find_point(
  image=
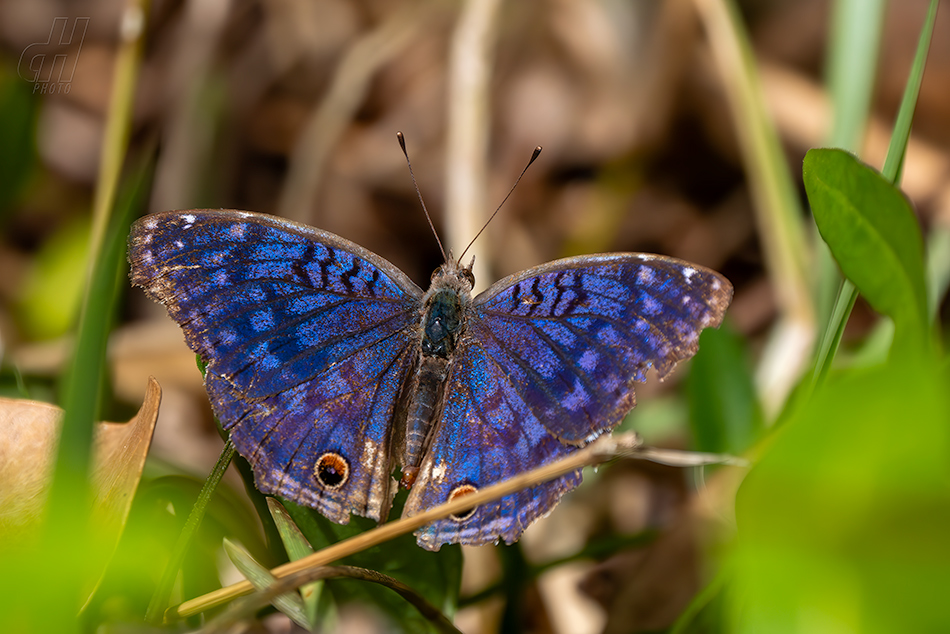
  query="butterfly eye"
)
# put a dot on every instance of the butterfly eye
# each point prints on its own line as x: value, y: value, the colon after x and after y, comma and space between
x: 436, y: 273
x: 469, y: 276
x: 460, y: 491
x: 332, y: 470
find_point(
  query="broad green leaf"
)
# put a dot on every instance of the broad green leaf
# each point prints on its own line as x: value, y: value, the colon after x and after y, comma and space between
x: 843, y: 523
x: 724, y: 412
x: 873, y: 234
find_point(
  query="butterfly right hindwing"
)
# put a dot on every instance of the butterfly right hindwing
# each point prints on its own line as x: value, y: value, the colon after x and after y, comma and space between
x: 548, y: 362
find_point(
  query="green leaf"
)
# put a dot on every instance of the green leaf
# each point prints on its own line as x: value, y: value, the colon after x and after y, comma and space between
x: 873, y: 234
x: 724, y: 412
x: 842, y: 524
x: 260, y: 577
x: 297, y: 547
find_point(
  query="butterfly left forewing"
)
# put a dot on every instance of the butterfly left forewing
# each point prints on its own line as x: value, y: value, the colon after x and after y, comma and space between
x: 308, y: 340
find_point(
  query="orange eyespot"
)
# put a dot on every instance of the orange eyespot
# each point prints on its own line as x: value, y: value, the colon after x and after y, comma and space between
x: 461, y: 491
x: 331, y: 470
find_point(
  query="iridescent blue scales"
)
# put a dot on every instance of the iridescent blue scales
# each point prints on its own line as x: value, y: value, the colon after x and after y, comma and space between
x: 330, y: 368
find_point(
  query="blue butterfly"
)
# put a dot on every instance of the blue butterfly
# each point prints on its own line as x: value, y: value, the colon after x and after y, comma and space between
x: 330, y: 368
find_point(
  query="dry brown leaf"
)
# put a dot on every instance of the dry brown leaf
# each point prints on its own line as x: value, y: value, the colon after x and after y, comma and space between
x: 29, y: 436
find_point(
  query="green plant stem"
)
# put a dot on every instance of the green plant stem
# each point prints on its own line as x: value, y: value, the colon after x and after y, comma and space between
x: 159, y: 601
x: 844, y: 302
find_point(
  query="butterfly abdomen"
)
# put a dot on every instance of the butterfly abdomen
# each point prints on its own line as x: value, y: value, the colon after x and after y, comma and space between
x: 427, y: 393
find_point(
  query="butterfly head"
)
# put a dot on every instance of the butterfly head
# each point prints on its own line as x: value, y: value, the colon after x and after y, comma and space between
x: 455, y: 274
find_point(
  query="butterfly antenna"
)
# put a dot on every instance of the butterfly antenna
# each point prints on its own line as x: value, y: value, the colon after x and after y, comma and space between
x: 402, y: 144
x: 534, y: 155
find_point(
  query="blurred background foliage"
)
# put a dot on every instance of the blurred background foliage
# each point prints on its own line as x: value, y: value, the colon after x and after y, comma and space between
x: 670, y: 126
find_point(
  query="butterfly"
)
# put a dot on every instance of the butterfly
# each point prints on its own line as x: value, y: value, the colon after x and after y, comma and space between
x: 330, y: 368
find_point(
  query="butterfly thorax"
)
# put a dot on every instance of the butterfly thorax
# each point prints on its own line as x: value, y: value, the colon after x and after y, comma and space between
x: 442, y: 325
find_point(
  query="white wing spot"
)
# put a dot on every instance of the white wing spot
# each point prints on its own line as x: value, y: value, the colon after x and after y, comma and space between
x: 645, y: 275
x: 688, y: 273
x: 650, y: 305
x: 179, y: 244
x: 370, y: 449
x: 189, y: 220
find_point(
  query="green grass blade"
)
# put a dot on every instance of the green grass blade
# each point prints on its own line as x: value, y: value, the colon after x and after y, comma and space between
x: 19, y: 109
x: 66, y: 535
x: 852, y: 62
x: 897, y: 149
x: 834, y: 330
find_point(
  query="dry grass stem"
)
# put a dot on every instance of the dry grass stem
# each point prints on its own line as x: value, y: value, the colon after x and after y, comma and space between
x: 466, y: 177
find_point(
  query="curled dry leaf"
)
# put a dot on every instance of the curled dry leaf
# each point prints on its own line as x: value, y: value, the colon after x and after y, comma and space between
x: 29, y: 436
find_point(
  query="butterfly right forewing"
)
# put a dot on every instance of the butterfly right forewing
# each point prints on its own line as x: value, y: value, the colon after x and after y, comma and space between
x: 308, y: 340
